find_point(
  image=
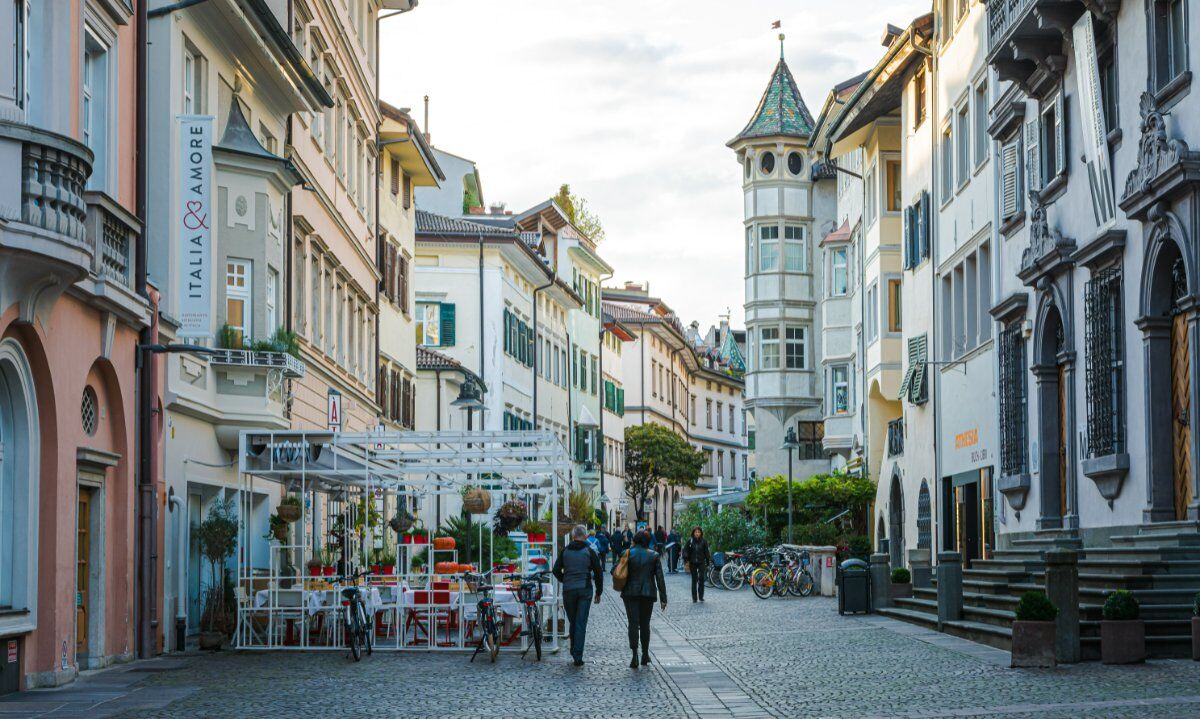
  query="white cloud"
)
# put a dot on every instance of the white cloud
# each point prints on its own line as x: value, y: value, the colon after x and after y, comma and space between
x: 632, y: 102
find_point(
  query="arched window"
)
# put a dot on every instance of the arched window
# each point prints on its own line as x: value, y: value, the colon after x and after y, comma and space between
x: 924, y: 518
x: 767, y: 163
x: 18, y: 484
x: 795, y: 163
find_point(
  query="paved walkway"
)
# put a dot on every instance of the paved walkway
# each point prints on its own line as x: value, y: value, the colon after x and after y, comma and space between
x: 733, y: 656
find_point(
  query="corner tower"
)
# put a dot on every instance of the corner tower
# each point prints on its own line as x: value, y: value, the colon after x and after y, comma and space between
x: 787, y: 203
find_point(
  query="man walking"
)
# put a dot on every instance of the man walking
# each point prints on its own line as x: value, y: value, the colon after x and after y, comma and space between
x: 617, y: 546
x: 673, y: 550
x: 602, y: 545
x: 579, y: 572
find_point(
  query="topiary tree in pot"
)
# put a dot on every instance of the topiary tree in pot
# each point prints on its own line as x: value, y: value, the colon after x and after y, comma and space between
x: 1034, y: 632
x: 1122, y: 632
x: 901, y: 584
x: 216, y: 540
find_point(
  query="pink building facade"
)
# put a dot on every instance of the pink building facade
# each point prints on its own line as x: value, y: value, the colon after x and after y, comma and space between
x: 70, y: 315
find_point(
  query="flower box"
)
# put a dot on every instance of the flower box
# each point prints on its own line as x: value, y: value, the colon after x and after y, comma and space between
x: 328, y: 571
x: 897, y: 590
x: 1033, y: 644
x: 535, y: 538
x: 1122, y: 641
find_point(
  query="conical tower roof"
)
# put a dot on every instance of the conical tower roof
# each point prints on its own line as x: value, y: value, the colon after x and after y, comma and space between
x: 781, y: 111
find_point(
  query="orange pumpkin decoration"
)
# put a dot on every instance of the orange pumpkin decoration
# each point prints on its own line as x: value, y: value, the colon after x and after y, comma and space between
x: 445, y: 568
x: 443, y: 543
x: 464, y: 568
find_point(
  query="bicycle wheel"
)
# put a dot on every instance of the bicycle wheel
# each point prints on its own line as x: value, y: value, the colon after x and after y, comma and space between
x: 732, y: 578
x: 353, y: 638
x: 493, y: 639
x: 368, y: 629
x: 712, y: 577
x: 535, y: 631
x: 762, y: 584
x: 806, y: 583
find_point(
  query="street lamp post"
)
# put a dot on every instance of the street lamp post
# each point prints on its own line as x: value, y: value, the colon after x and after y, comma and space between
x: 790, y: 444
x: 470, y: 397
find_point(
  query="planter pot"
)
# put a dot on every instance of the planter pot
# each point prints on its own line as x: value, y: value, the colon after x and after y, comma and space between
x: 535, y: 537
x: 1122, y: 642
x: 420, y: 538
x: 406, y: 539
x: 900, y: 591
x: 289, y: 513
x: 375, y: 569
x: 1196, y: 638
x: 314, y: 571
x: 211, y: 641
x: 1033, y: 644
x: 328, y: 571
x: 400, y: 524
x: 477, y: 501
x: 389, y: 570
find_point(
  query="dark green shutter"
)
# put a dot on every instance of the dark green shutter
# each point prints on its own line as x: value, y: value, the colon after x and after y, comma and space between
x: 621, y: 401
x: 447, y: 324
x: 579, y: 451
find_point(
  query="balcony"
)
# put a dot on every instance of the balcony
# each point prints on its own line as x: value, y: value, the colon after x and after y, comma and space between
x: 112, y: 235
x: 234, y: 390
x: 895, y: 437
x: 1025, y: 37
x: 43, y: 241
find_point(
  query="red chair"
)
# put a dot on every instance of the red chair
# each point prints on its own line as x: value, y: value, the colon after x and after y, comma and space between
x: 430, y: 607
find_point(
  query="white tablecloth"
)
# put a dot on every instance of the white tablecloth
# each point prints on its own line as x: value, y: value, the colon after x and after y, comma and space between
x: 315, y: 600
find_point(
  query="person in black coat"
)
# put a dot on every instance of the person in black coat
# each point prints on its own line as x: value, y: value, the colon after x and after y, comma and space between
x: 617, y: 545
x: 643, y: 586
x: 581, y: 574
x: 697, y: 557
x: 673, y: 550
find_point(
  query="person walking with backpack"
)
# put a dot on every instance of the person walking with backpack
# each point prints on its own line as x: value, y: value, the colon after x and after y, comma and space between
x: 697, y: 557
x: 617, y: 546
x: 641, y: 584
x: 579, y: 572
x: 603, y: 543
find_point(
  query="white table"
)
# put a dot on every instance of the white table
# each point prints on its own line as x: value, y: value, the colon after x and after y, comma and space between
x: 315, y: 600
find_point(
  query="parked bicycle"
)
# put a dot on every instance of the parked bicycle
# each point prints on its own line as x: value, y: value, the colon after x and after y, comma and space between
x: 530, y: 595
x: 356, y: 621
x: 785, y: 573
x: 485, y: 618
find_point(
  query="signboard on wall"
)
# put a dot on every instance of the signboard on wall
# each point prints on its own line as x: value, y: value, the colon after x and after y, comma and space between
x: 334, y: 414
x: 194, y: 218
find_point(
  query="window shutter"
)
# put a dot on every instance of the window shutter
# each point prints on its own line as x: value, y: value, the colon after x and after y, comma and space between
x: 447, y: 324
x: 381, y: 389
x: 1010, y: 196
x: 407, y: 191
x: 1033, y: 171
x: 919, y: 389
x: 906, y: 384
x: 1060, y: 129
x: 923, y: 227
x: 403, y: 284
x: 530, y: 347
x: 395, y: 176
x: 579, y: 450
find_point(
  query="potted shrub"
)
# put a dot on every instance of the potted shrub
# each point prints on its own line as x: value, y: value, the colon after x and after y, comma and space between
x: 277, y: 530
x: 387, y: 561
x: 1033, y: 632
x: 216, y: 539
x: 510, y: 516
x: 402, y: 522
x: 289, y: 509
x: 901, y: 586
x: 314, y: 564
x: 1196, y: 627
x: 534, y: 530
x: 419, y: 535
x: 374, y: 566
x: 328, y: 561
x: 1122, y: 632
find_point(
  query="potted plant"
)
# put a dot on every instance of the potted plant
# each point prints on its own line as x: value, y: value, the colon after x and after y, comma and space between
x: 314, y: 564
x: 402, y: 521
x: 387, y: 561
x: 476, y: 500
x: 1196, y: 627
x: 418, y: 564
x: 901, y: 586
x: 216, y: 539
x: 419, y: 535
x: 534, y: 530
x: 328, y: 561
x: 509, y: 516
x: 289, y: 509
x: 1034, y: 631
x: 278, y: 529
x: 375, y: 566
x: 1122, y: 632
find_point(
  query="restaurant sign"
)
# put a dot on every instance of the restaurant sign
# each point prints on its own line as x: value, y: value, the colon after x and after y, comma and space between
x: 194, y: 215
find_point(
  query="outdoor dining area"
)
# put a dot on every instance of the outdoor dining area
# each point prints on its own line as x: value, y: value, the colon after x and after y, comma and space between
x: 348, y: 516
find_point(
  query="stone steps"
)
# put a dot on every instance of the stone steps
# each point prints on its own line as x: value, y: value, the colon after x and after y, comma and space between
x: 990, y: 634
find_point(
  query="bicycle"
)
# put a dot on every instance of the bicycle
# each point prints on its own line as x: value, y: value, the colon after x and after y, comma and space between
x: 801, y: 582
x: 738, y: 566
x: 530, y: 594
x: 356, y: 624
x: 485, y: 618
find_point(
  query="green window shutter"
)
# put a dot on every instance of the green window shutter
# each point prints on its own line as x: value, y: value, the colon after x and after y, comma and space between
x: 907, y: 386
x: 447, y: 324
x: 530, y: 347
x: 579, y: 448
x: 920, y: 391
x: 750, y: 439
x: 507, y: 324
x: 621, y: 401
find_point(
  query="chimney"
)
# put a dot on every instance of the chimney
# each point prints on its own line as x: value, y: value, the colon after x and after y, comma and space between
x: 427, y: 119
x: 497, y: 208
x: 476, y: 211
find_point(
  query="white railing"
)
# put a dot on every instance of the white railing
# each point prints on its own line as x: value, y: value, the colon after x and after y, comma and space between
x: 290, y: 366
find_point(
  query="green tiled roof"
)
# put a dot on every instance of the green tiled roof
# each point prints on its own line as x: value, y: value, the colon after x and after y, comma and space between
x: 781, y: 111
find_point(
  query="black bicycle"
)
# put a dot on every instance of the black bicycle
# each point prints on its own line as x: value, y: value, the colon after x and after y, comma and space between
x: 485, y: 618
x: 530, y: 594
x: 356, y: 623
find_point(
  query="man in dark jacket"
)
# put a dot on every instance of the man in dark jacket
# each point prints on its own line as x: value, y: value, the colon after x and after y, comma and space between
x: 603, y: 542
x: 643, y: 586
x: 579, y: 572
x: 673, y: 550
x: 617, y: 546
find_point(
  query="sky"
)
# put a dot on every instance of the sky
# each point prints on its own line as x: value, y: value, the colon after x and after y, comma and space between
x: 631, y: 102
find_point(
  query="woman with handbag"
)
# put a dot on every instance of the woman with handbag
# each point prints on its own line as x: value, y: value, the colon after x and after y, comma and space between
x: 639, y: 577
x: 696, y: 558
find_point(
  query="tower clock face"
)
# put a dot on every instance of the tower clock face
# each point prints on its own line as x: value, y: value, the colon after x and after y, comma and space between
x: 767, y: 163
x: 795, y: 163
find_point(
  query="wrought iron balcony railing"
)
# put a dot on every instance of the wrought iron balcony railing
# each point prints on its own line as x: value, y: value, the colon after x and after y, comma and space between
x: 895, y: 437
x: 1002, y: 15
x: 289, y: 365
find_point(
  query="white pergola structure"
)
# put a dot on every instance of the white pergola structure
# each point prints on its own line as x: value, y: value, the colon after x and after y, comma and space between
x: 343, y: 479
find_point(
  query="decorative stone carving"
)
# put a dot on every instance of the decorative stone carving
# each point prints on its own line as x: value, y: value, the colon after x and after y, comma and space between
x: 1156, y: 152
x: 1042, y: 239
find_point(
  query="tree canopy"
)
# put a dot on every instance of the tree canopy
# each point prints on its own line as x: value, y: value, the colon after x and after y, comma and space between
x: 576, y: 209
x: 655, y: 455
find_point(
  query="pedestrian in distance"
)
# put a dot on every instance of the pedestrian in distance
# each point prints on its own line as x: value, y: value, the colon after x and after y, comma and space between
x: 617, y: 546
x: 644, y: 585
x: 660, y: 539
x: 696, y: 558
x: 673, y: 549
x: 603, y: 543
x: 581, y: 576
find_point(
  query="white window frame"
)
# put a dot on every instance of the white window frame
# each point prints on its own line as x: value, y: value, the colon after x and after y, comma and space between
x: 98, y: 80
x: 769, y: 348
x: 768, y: 248
x: 797, y: 245
x: 834, y: 265
x: 429, y: 315
x: 962, y: 143
x: 239, y: 269
x: 272, y: 299
x: 872, y: 306
x: 871, y: 194
x: 842, y: 382
x: 980, y: 103
x: 796, y: 338
x: 195, y: 80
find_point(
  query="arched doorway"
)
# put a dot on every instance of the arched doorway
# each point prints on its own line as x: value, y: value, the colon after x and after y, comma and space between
x: 1053, y: 391
x: 1168, y: 325
x: 19, y: 448
x: 924, y: 518
x: 896, y: 522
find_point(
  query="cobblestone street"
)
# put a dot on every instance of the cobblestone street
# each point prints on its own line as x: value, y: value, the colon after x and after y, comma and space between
x: 733, y: 656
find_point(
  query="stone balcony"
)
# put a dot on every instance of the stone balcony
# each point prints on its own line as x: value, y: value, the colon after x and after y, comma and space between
x: 1026, y: 37
x: 234, y: 390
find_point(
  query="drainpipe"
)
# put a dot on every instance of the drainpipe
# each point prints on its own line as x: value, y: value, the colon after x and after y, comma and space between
x: 600, y: 369
x: 437, y: 383
x: 482, y: 369
x: 537, y: 351
x: 176, y: 505
x: 933, y: 286
x: 146, y: 609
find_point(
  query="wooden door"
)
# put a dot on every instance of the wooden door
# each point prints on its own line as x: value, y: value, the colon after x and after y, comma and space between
x: 83, y: 553
x: 1062, y: 441
x: 1181, y: 392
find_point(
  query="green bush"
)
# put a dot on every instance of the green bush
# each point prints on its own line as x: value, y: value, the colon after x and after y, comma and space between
x: 900, y: 575
x: 1036, y: 607
x: 725, y: 530
x: 814, y: 499
x: 857, y: 545
x: 1120, y: 605
x: 494, y: 545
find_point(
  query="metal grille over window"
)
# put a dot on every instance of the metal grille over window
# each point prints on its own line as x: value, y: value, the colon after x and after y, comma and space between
x: 1105, y: 364
x: 88, y: 411
x: 1013, y: 429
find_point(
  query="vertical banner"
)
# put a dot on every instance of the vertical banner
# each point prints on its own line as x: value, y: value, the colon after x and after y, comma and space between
x: 194, y: 215
x: 1091, y: 114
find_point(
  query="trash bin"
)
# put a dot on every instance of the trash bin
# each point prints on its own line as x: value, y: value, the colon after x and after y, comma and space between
x: 854, y: 587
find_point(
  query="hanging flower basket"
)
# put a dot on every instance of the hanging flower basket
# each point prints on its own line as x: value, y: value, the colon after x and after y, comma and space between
x: 477, y: 501
x: 402, y: 522
x: 510, y: 516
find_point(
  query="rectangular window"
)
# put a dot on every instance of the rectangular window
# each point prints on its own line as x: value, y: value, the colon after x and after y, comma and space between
x: 1105, y: 364
x: 919, y: 97
x: 947, y: 164
x: 328, y: 289
x: 749, y: 250
x: 964, y: 144
x: 238, y: 302
x: 94, y: 110
x: 193, y: 81
x: 839, y: 272
x: 708, y: 411
x: 811, y: 436
x: 796, y: 347
x: 894, y: 315
x: 871, y: 190
x: 769, y: 350
x: 980, y: 102
x: 795, y: 251
x: 872, y: 312
x: 272, y: 298
x: 1109, y: 88
x: 1048, y: 140
x: 768, y: 248
x: 1169, y: 41
x: 314, y: 283
x: 429, y: 324
x: 1010, y: 180
x: 1013, y: 429
x: 840, y: 387
x: 731, y: 428
x: 892, y: 185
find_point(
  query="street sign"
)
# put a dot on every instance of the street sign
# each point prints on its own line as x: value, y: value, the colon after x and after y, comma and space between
x: 604, y: 499
x: 334, y: 414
